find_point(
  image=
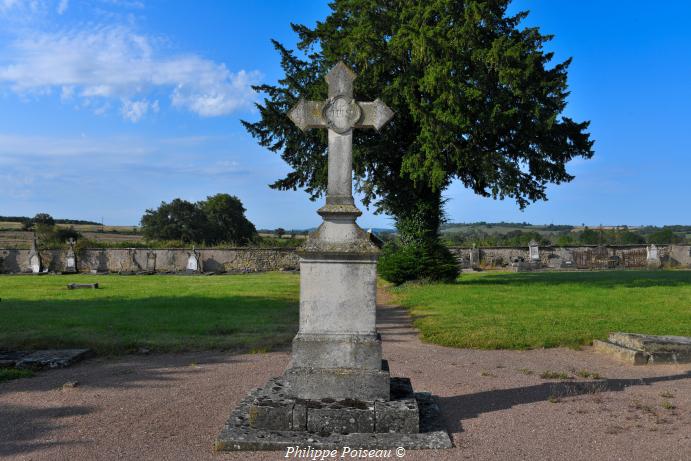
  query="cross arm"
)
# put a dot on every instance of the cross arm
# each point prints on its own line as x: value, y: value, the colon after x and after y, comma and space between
x: 307, y: 114
x: 375, y: 114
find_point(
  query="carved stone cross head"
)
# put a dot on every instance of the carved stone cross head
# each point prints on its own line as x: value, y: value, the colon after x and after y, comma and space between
x: 340, y: 114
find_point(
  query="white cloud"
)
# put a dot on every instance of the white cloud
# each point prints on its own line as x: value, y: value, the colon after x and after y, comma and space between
x: 117, y: 63
x: 62, y: 6
x: 134, y: 110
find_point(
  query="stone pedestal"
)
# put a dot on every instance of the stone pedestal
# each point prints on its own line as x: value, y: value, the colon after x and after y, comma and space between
x: 337, y: 390
x: 337, y: 351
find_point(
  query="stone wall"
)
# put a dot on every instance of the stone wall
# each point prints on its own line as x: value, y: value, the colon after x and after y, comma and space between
x: 276, y: 259
x: 163, y: 261
x: 576, y: 257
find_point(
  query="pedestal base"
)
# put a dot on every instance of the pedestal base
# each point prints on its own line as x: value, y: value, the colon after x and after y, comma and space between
x: 267, y: 419
x: 338, y: 383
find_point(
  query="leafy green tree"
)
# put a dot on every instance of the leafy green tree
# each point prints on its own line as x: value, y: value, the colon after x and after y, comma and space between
x: 62, y: 235
x: 626, y: 237
x: 177, y: 220
x: 27, y: 223
x: 43, y: 225
x: 664, y: 235
x: 43, y: 219
x: 226, y: 220
x: 565, y: 239
x: 589, y: 237
x: 476, y: 98
x: 219, y: 218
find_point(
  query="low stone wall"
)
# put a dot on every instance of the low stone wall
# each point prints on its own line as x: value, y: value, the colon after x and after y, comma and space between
x: 575, y: 257
x: 168, y: 260
x: 279, y: 259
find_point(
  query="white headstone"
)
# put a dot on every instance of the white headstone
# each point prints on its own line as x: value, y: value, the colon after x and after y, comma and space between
x: 534, y: 251
x: 193, y: 261
x: 35, y: 264
x: 652, y: 253
x: 71, y: 265
x: 34, y: 258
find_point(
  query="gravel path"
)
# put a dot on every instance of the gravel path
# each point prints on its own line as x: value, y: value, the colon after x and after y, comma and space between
x: 496, y: 406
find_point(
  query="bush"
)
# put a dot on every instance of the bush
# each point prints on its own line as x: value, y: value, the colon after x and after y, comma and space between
x: 429, y: 261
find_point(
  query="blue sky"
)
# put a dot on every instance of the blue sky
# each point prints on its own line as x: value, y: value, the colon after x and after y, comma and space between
x: 108, y: 107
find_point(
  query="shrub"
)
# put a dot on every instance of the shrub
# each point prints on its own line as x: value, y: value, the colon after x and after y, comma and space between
x: 424, y: 261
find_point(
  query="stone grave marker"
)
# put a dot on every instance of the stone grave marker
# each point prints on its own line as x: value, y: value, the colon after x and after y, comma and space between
x: 652, y: 257
x: 34, y: 257
x: 151, y: 261
x: 337, y: 390
x: 533, y: 251
x: 474, y: 257
x: 71, y: 260
x: 193, y: 265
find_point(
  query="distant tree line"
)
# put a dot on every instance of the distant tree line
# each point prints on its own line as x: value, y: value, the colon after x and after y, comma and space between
x: 588, y: 236
x: 25, y: 219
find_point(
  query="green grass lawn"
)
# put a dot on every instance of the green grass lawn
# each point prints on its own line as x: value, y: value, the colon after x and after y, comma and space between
x: 8, y: 374
x: 548, y: 309
x: 162, y: 313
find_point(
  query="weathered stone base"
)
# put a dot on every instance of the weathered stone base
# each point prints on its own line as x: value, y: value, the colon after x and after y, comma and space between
x: 339, y: 383
x: 638, y: 349
x: 267, y: 419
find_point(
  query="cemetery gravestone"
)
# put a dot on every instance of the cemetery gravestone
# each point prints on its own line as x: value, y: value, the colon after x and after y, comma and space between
x: 533, y: 251
x: 652, y: 256
x: 337, y: 390
x: 193, y: 261
x: 474, y: 257
x: 151, y: 261
x: 71, y: 262
x: 34, y: 257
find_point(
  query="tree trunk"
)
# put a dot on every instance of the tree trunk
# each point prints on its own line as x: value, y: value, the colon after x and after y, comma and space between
x: 418, y: 214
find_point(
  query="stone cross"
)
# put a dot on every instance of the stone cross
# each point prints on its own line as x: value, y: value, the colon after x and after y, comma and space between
x: 337, y: 351
x: 337, y: 382
x: 340, y: 113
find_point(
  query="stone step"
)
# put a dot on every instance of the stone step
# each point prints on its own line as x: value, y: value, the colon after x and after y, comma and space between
x: 638, y: 349
x: 652, y: 343
x: 59, y: 358
x: 621, y: 353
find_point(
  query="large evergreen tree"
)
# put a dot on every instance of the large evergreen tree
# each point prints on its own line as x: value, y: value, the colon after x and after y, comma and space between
x: 476, y: 98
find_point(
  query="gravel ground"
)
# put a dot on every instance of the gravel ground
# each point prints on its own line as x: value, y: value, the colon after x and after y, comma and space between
x: 495, y: 404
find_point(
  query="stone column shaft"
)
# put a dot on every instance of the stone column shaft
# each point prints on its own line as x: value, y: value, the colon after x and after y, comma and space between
x: 340, y: 186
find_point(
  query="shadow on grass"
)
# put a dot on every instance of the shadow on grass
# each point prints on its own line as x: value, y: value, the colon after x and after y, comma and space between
x: 111, y: 326
x: 602, y: 279
x: 456, y: 409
